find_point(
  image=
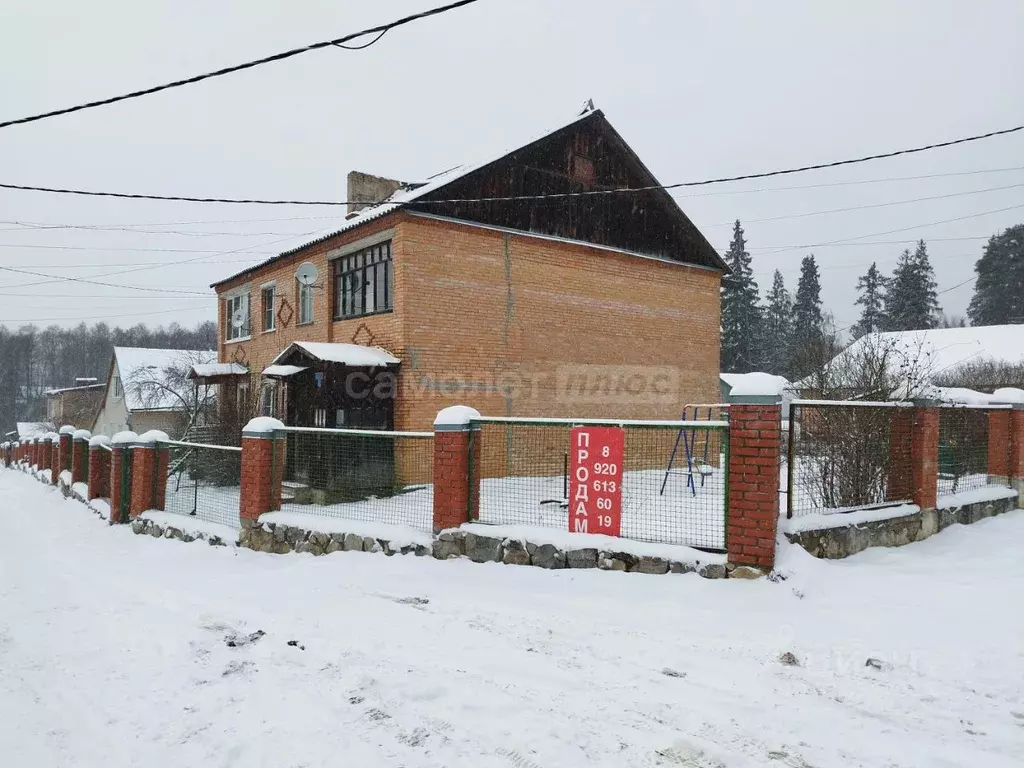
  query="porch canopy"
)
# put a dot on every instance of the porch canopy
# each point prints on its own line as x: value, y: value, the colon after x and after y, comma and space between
x: 351, y: 355
x: 215, y: 373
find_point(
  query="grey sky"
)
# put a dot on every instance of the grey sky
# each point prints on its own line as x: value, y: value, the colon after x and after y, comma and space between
x: 698, y: 88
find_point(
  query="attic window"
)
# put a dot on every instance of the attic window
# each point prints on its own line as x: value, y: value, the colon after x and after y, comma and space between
x: 583, y: 172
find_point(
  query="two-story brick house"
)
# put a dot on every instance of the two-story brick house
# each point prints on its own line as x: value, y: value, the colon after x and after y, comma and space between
x: 546, y: 304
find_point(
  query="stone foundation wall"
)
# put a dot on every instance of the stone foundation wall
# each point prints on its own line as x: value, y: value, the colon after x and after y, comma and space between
x: 843, y: 541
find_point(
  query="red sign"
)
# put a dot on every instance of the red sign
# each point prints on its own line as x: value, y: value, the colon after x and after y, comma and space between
x: 595, y: 480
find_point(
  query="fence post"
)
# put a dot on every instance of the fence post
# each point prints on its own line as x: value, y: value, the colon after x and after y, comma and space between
x: 924, y: 454
x: 999, y: 446
x: 99, y: 467
x: 80, y: 456
x: 120, y: 480
x: 456, y: 476
x: 752, y: 506
x: 46, y: 454
x: 63, y: 452
x: 262, y: 442
x: 145, y: 494
x: 1015, y: 468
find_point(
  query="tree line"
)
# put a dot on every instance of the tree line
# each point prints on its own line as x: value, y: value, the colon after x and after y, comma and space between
x: 34, y: 360
x: 791, y: 335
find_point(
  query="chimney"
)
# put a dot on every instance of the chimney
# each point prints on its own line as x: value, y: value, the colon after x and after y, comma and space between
x: 365, y: 188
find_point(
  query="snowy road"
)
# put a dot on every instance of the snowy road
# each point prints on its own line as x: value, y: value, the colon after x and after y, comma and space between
x: 113, y: 653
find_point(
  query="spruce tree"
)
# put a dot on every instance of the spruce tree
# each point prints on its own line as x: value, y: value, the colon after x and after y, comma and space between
x: 999, y: 291
x: 777, y: 327
x: 872, y: 298
x: 808, y: 321
x: 911, y: 302
x: 740, y: 312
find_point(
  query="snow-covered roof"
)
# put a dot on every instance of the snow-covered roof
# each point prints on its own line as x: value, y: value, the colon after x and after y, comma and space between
x: 940, y: 350
x: 210, y: 370
x: 755, y: 383
x: 349, y: 354
x: 136, y: 364
x: 283, y: 370
x: 29, y: 430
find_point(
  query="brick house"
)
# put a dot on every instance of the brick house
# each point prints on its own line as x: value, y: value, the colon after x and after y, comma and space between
x: 587, y: 306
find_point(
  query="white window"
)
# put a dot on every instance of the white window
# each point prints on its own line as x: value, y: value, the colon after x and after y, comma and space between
x: 243, y: 399
x: 268, y: 296
x: 118, y: 391
x: 268, y: 400
x: 237, y: 305
x: 305, y: 304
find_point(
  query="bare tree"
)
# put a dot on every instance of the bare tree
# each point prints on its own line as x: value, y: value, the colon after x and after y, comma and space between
x: 169, y: 387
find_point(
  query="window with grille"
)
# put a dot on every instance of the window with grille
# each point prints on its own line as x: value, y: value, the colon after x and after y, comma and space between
x: 364, y: 282
x: 268, y: 295
x: 233, y: 304
x: 305, y: 304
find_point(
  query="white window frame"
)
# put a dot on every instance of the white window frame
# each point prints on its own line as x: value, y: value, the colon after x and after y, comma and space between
x: 305, y: 298
x: 118, y: 388
x: 272, y: 289
x: 268, y: 399
x: 232, y: 303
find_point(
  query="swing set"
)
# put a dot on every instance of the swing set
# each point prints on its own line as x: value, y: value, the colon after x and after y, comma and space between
x: 688, y: 436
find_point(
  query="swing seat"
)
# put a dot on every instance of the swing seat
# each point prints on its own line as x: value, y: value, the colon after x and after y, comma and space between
x: 703, y: 469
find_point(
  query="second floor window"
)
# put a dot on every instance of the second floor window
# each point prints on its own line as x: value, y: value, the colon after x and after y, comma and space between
x: 118, y: 391
x: 305, y: 304
x: 268, y: 295
x: 237, y: 307
x: 364, y: 282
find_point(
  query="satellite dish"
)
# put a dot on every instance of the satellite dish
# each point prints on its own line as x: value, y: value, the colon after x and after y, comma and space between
x: 307, y: 273
x: 238, y: 318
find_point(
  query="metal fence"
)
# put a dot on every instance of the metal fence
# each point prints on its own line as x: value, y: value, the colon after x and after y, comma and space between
x: 204, y: 481
x: 356, y: 474
x: 673, y: 481
x: 847, y: 455
x: 963, y: 448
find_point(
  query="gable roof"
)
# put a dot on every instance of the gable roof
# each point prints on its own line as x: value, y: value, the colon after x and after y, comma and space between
x: 135, y: 364
x: 939, y: 350
x: 422, y: 192
x: 340, y: 352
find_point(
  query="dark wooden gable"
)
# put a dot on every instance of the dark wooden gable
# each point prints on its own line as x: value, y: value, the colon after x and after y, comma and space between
x: 587, y: 155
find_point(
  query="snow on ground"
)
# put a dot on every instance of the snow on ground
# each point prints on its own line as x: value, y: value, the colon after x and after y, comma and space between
x: 113, y: 652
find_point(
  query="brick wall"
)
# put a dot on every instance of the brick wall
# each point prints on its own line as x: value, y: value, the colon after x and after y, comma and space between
x: 99, y: 473
x: 753, y: 505
x: 452, y: 479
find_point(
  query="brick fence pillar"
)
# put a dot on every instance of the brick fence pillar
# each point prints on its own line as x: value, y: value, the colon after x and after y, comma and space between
x: 149, y: 460
x: 752, y: 506
x: 1015, y: 461
x: 99, y: 468
x: 63, y: 452
x: 121, y: 482
x: 263, y: 453
x: 999, y: 447
x: 80, y: 456
x: 33, y: 452
x: 456, y: 475
x: 924, y: 454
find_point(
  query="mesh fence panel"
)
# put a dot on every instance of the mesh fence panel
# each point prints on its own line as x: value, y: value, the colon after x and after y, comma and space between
x: 963, y: 449
x: 383, y: 477
x: 845, y: 457
x: 204, y: 482
x: 524, y: 480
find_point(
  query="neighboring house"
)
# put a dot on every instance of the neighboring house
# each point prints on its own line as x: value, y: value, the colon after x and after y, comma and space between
x: 149, y: 389
x: 596, y: 305
x: 982, y: 358
x: 74, y: 405
x: 30, y: 430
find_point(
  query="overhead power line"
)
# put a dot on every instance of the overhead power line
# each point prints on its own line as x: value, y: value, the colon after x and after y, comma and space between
x: 512, y: 198
x: 92, y: 282
x: 381, y: 28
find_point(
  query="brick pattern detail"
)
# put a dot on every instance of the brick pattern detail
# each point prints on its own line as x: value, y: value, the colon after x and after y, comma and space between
x: 753, y: 506
x: 900, y: 486
x: 79, y: 460
x: 451, y: 478
x: 63, y: 456
x: 143, y: 494
x: 1016, y: 459
x: 99, y: 473
x: 117, y: 458
x: 924, y: 454
x: 999, y: 443
x: 261, y: 479
x: 45, y: 455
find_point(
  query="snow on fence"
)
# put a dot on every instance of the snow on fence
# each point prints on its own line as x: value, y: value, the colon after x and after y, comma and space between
x: 204, y: 481
x: 524, y: 476
x: 841, y: 456
x: 359, y: 474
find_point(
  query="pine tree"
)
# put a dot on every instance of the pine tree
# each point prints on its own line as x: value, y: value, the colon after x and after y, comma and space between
x: 999, y: 291
x: 808, y: 322
x: 740, y: 311
x: 911, y: 303
x: 777, y: 327
x: 872, y: 298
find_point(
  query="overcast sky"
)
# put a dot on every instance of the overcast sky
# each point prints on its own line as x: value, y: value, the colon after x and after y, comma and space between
x: 699, y: 89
